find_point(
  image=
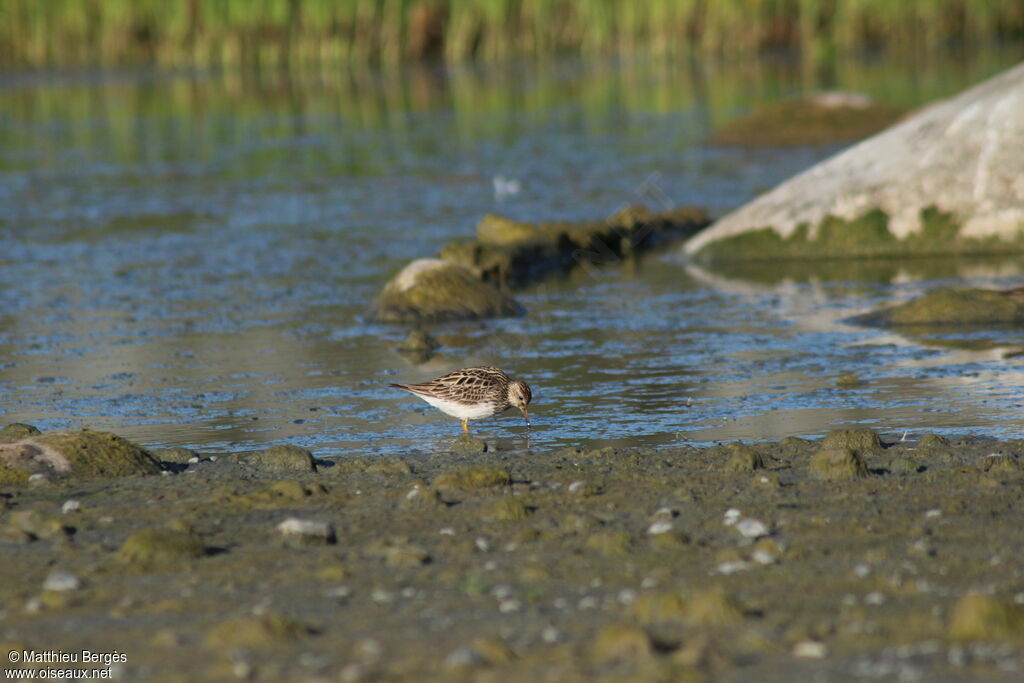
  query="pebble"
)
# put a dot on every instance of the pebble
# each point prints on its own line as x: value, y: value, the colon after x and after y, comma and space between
x: 752, y: 528
x: 733, y: 567
x: 810, y: 649
x: 307, y: 531
x: 70, y: 505
x: 61, y: 581
x: 732, y: 515
x: 662, y: 526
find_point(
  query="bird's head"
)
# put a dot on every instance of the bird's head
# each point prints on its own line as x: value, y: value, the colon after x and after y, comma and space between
x: 519, y: 395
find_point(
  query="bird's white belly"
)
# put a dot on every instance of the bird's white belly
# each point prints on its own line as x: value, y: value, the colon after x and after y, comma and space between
x: 462, y: 411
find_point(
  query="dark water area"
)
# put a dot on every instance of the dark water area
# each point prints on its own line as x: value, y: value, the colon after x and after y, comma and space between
x: 186, y: 258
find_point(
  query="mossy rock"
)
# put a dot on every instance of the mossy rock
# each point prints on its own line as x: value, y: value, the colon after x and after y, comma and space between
x: 953, y: 306
x: 17, y: 431
x: 838, y: 464
x: 505, y: 509
x: 467, y: 444
x: 743, y: 458
x: 430, y: 290
x: 659, y: 607
x: 84, y: 453
x: 861, y: 441
x: 161, y: 548
x: 819, y: 119
x: 621, y: 642
x: 495, y: 230
x: 284, y: 458
x: 714, y: 607
x: 984, y: 617
x: 473, y: 477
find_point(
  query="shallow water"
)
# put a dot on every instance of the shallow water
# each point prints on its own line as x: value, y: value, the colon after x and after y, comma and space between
x: 186, y: 259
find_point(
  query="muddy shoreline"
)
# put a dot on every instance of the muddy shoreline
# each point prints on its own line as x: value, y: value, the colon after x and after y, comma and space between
x: 831, y: 559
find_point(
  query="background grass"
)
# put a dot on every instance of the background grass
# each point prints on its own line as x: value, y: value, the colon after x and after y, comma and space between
x: 213, y: 32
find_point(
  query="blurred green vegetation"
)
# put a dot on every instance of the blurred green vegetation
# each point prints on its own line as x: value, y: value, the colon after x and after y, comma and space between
x: 219, y: 32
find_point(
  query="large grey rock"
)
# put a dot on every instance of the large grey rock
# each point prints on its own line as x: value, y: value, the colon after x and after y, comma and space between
x: 948, y: 179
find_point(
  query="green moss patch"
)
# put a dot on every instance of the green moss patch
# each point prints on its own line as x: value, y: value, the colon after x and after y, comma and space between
x: 866, y: 236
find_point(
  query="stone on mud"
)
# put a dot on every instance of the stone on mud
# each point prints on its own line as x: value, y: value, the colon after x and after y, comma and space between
x: 84, y: 453
x: 253, y: 632
x: 473, y: 477
x: 743, y: 458
x: 838, y: 464
x: 160, y: 548
x: 620, y: 642
x: 505, y: 509
x: 985, y: 617
x: 307, y: 532
x: 431, y: 290
x: 714, y: 607
x: 659, y: 607
x: 952, y: 306
x: 284, y: 458
x: 862, y: 441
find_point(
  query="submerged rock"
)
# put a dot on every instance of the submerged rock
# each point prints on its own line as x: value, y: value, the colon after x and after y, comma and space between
x: 430, y: 290
x: 418, y: 346
x: 953, y: 306
x: 944, y: 181
x: 84, y: 453
x: 815, y: 120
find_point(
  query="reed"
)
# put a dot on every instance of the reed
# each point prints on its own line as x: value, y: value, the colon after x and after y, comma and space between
x: 217, y: 32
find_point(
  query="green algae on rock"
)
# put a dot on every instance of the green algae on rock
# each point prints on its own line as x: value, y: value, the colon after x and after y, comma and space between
x: 815, y: 120
x: 78, y: 454
x: 513, y: 254
x: 432, y: 290
x: 952, y: 306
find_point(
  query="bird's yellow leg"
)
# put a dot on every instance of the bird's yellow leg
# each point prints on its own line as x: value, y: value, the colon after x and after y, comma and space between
x: 465, y: 426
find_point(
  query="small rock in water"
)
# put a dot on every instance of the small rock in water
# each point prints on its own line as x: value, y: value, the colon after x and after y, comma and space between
x: 70, y: 505
x: 307, y: 531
